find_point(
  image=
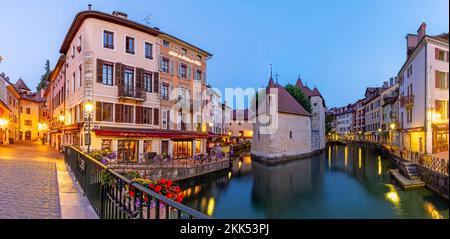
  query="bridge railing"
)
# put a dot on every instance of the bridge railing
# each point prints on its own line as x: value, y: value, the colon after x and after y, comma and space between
x: 121, y: 198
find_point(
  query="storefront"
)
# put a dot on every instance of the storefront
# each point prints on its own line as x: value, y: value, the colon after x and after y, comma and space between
x: 127, y: 151
x: 182, y: 149
x: 440, y: 138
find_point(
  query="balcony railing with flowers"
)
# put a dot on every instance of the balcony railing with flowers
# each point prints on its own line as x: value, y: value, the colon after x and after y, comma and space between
x: 407, y: 101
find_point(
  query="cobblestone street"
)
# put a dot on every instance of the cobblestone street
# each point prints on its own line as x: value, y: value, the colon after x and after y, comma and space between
x: 35, y: 183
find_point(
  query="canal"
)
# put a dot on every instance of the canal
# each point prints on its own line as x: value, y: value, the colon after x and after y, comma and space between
x: 342, y: 182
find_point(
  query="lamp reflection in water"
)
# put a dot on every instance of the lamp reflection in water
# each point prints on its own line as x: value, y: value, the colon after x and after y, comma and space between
x: 392, y: 196
x: 329, y: 156
x: 211, y: 205
x: 359, y: 157
x: 346, y: 155
x: 431, y: 210
x: 379, y: 165
x: 229, y: 175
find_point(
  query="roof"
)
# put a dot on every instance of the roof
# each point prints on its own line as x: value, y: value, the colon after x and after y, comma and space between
x: 390, y: 100
x: 286, y: 103
x: 4, y: 105
x: 306, y: 90
x: 83, y: 15
x: 20, y: 84
x: 441, y: 37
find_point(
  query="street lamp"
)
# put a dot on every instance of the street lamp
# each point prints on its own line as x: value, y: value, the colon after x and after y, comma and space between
x: 89, y: 108
x: 61, y: 118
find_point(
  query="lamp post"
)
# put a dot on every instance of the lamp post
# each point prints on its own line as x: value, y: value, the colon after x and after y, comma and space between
x: 88, y: 107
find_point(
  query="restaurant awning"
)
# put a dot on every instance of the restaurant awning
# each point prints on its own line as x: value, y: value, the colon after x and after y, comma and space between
x: 142, y: 133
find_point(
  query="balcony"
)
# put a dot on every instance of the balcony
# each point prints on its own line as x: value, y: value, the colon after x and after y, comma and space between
x: 407, y: 102
x: 132, y: 94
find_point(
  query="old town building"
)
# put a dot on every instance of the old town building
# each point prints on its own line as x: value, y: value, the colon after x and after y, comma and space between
x: 241, y: 125
x: 287, y: 131
x: 318, y: 115
x: 359, y: 120
x: 423, y: 89
x: 137, y: 80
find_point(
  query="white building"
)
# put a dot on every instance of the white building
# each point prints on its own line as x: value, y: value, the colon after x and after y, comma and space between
x: 423, y: 88
x: 318, y: 116
x: 344, y: 122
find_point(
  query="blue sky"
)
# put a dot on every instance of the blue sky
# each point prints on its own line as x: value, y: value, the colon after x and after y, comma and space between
x: 339, y: 46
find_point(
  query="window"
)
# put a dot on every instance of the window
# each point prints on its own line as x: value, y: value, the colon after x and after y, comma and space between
x: 199, y: 57
x: 166, y: 43
x: 441, y: 55
x: 147, y: 116
x: 128, y: 81
x: 147, y: 146
x: 441, y: 80
x: 107, y: 77
x: 128, y: 114
x: 28, y: 111
x: 409, y: 71
x: 127, y: 151
x: 148, y: 82
x: 28, y: 122
x: 148, y: 51
x: 182, y: 149
x: 108, y: 39
x: 129, y: 45
x: 441, y: 109
x: 198, y: 75
x: 165, y: 65
x: 183, y: 71
x: 184, y: 50
x: 290, y: 134
x: 164, y: 119
x: 104, y: 111
x: 80, y: 75
x: 165, y: 91
x: 74, y: 81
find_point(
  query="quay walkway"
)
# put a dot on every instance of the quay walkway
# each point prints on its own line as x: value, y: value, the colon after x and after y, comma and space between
x: 35, y: 184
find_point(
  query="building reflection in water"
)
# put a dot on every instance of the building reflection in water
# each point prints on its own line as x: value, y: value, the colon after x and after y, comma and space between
x: 346, y: 156
x: 329, y: 157
x: 380, y: 169
x: 432, y: 211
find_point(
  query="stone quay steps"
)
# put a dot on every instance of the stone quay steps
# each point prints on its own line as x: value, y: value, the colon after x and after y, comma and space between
x: 406, y: 182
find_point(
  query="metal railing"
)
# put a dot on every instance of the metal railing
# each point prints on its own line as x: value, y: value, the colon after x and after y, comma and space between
x: 132, y: 93
x: 407, y: 101
x: 113, y: 200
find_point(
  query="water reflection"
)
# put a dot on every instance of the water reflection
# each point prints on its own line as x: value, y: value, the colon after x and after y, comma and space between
x: 335, y: 184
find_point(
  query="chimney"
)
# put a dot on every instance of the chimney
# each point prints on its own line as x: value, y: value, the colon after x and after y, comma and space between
x: 89, y: 6
x: 391, y: 81
x: 120, y: 14
x: 385, y: 84
x: 422, y: 31
x: 411, y: 43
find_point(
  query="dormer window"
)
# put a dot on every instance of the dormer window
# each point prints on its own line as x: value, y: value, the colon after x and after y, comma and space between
x: 129, y: 45
x: 185, y: 52
x: 166, y: 44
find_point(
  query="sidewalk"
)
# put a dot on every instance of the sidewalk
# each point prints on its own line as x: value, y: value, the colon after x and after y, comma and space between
x: 25, y: 158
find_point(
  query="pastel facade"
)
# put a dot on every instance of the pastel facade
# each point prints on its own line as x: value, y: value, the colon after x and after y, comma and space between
x: 424, y: 95
x: 120, y: 66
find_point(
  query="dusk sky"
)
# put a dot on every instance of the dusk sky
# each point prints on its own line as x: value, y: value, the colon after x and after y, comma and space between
x: 339, y: 46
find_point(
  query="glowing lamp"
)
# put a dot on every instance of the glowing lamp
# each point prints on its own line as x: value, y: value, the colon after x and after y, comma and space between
x: 88, y: 107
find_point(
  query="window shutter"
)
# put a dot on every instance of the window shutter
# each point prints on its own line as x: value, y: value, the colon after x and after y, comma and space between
x: 98, y: 111
x: 148, y: 113
x: 189, y: 69
x: 436, y: 53
x: 119, y: 74
x: 168, y: 119
x: 160, y: 62
x: 156, y: 117
x: 437, y: 81
x: 139, y: 81
x: 179, y: 68
x: 99, y: 70
x: 171, y: 66
x: 119, y: 113
x: 139, y: 115
x: 156, y: 82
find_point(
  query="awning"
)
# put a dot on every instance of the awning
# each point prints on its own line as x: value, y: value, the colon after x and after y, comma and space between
x: 142, y: 133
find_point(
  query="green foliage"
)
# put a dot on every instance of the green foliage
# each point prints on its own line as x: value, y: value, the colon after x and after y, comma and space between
x: 43, y: 83
x: 100, y: 154
x: 328, y: 121
x: 298, y: 95
x: 106, y: 178
x: 132, y: 175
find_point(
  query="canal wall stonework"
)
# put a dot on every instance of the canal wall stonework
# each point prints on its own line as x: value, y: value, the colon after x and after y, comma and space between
x: 175, y: 172
x: 291, y: 139
x: 436, y: 182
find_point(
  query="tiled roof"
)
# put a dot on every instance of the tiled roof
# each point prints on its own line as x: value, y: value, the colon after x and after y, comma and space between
x: 4, y: 105
x: 286, y: 103
x: 306, y: 90
x: 20, y: 84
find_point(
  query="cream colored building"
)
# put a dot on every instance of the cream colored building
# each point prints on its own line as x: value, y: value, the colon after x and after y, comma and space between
x: 286, y: 132
x: 120, y: 67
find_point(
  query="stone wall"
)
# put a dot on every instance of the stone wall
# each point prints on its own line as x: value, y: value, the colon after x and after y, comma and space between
x: 317, y: 123
x: 280, y: 144
x: 175, y: 172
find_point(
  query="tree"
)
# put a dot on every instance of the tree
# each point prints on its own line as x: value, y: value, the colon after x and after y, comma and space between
x: 329, y: 119
x: 298, y: 95
x: 43, y: 82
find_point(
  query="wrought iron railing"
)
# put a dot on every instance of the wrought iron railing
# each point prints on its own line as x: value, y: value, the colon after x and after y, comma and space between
x: 132, y: 93
x: 113, y: 200
x: 407, y: 101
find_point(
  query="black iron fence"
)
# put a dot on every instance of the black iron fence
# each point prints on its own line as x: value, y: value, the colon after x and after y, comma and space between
x: 113, y: 196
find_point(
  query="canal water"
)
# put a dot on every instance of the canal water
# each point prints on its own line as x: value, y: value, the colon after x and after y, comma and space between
x: 342, y: 182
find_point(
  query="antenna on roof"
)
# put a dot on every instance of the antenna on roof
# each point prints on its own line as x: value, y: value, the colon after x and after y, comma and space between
x: 89, y: 6
x: 148, y: 19
x: 276, y: 78
x: 270, y: 71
